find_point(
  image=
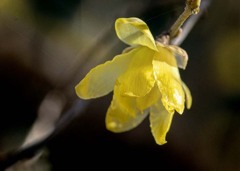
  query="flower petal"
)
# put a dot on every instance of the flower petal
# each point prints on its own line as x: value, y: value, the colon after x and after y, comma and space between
x: 180, y: 55
x: 149, y: 99
x: 138, y: 79
x: 123, y: 115
x: 169, y: 83
x: 101, y: 79
x: 160, y: 122
x: 188, y: 95
x: 133, y: 31
x: 166, y: 55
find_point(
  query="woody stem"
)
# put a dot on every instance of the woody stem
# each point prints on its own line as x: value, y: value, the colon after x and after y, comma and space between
x: 192, y: 7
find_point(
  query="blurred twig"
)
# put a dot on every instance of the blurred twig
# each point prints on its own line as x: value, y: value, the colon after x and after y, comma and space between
x: 28, y: 151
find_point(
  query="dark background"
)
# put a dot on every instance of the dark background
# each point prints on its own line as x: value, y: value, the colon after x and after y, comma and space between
x: 47, y: 47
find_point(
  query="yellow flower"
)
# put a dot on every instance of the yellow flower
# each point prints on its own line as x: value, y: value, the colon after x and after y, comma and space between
x: 145, y: 80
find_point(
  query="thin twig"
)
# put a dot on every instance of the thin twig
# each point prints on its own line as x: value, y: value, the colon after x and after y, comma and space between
x: 189, y: 24
x: 192, y: 7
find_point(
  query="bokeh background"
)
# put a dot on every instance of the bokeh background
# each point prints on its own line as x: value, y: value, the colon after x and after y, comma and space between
x: 47, y: 47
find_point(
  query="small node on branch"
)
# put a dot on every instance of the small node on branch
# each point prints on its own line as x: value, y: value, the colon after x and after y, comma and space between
x: 192, y: 7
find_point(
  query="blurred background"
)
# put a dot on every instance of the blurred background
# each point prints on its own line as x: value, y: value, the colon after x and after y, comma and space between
x: 47, y: 47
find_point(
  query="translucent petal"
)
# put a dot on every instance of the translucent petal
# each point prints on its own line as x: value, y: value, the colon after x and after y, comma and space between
x: 160, y: 122
x: 126, y: 103
x: 138, y: 79
x: 188, y: 95
x: 166, y: 55
x: 123, y: 115
x: 101, y: 79
x: 149, y: 99
x: 169, y: 83
x: 133, y: 31
x: 180, y: 55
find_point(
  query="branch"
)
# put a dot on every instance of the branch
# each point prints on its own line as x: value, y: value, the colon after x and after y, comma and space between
x: 30, y: 150
x: 189, y: 24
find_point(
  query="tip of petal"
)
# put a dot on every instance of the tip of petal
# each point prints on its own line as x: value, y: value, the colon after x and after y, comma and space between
x: 134, y: 32
x: 112, y: 126
x: 161, y: 142
x: 79, y: 92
